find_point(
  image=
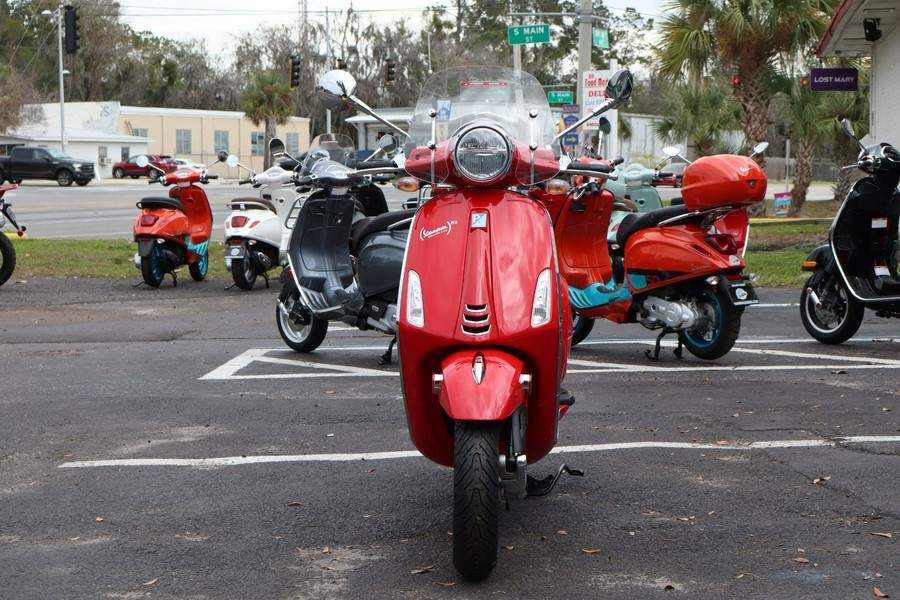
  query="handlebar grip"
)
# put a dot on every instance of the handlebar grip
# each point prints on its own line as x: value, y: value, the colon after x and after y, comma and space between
x: 376, y: 164
x: 595, y: 167
x: 243, y: 181
x: 212, y: 177
x: 618, y: 161
x: 662, y: 174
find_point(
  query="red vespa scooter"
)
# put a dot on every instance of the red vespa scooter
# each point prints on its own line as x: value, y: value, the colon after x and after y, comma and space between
x: 484, y: 317
x: 173, y: 231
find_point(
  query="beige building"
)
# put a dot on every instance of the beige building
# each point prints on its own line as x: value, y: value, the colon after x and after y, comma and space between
x: 106, y: 132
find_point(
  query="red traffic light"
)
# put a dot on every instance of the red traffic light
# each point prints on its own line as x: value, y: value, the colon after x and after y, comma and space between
x: 804, y: 82
x: 735, y: 80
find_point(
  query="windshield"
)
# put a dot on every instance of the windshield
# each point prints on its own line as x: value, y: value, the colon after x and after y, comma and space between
x: 500, y: 95
x: 328, y: 152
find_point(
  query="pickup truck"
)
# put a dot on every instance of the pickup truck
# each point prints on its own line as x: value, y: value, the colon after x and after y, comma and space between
x: 28, y: 162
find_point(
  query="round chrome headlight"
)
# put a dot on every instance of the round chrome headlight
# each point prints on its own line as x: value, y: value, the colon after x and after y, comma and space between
x: 482, y: 154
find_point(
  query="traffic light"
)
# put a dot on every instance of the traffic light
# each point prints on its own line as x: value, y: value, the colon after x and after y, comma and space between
x: 72, y: 27
x: 735, y: 85
x: 804, y: 82
x: 342, y: 64
x: 389, y: 71
x: 295, y: 71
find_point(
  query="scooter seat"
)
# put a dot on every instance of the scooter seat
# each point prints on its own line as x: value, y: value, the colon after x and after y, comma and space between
x: 252, y: 203
x: 160, y: 202
x: 636, y: 221
x: 369, y: 225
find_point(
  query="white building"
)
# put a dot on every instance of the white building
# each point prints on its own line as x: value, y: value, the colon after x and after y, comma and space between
x: 871, y: 28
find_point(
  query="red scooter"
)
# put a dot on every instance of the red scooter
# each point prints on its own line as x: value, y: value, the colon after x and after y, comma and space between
x: 678, y: 269
x: 175, y: 230
x: 484, y: 317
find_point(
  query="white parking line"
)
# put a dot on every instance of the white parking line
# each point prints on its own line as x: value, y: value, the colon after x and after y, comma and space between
x: 230, y: 461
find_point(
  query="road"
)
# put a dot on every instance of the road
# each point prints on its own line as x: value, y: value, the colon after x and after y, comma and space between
x: 166, y: 444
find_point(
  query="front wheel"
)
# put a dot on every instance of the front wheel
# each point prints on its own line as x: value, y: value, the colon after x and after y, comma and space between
x: 838, y: 315
x: 476, y: 498
x: 243, y: 273
x: 7, y: 258
x: 198, y: 269
x: 581, y: 328
x: 299, y: 328
x: 64, y: 178
x: 119, y: 173
x: 718, y: 329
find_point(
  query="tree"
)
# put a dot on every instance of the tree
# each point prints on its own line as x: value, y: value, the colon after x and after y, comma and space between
x: 745, y: 39
x: 702, y: 114
x: 268, y: 99
x: 855, y: 108
x: 808, y: 124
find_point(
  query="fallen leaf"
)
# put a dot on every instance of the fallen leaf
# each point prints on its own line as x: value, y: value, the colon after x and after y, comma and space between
x: 448, y: 583
x: 509, y: 547
x: 594, y: 551
x: 295, y: 503
x: 75, y: 539
x: 820, y: 479
x: 151, y: 582
x: 879, y: 593
x: 326, y: 550
x: 421, y: 570
x: 99, y: 519
x: 800, y: 560
x: 562, y: 532
x: 887, y: 534
x: 839, y: 372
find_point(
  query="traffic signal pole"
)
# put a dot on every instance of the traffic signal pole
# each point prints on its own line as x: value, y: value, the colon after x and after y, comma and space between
x: 62, y: 87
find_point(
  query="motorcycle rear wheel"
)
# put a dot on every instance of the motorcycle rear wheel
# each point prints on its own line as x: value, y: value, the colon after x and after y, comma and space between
x: 198, y: 269
x: 243, y: 273
x: 719, y: 333
x: 300, y: 337
x: 151, y: 270
x: 476, y: 498
x: 581, y: 328
x: 840, y: 315
x: 7, y: 258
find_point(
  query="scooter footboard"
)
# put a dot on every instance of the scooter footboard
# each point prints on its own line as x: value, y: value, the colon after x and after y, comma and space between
x: 481, y: 385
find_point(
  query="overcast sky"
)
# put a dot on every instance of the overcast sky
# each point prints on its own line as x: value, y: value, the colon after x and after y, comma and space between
x: 219, y: 21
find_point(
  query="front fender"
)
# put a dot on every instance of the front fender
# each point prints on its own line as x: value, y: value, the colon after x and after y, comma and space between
x: 819, y: 259
x: 495, y: 398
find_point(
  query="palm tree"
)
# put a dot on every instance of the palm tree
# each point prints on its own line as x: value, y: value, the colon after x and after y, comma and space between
x: 808, y: 126
x: 745, y: 39
x: 268, y: 99
x: 701, y: 114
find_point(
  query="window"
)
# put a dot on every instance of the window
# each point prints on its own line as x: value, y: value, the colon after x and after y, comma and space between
x: 141, y: 132
x: 183, y: 141
x: 293, y: 143
x: 125, y: 153
x: 220, y: 141
x: 257, y: 143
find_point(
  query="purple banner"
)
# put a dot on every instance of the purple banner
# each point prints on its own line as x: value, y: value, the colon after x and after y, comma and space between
x: 833, y: 80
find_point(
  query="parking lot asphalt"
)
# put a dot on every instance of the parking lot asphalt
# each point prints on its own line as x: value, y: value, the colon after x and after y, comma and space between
x: 166, y: 444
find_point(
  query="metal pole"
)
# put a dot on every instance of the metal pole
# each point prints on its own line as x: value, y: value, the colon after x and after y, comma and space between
x: 584, y: 16
x: 62, y: 89
x: 327, y: 64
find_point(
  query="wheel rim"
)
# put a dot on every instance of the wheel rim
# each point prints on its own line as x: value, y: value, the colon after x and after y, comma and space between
x: 203, y: 265
x: 833, y: 311
x: 706, y: 336
x: 64, y: 178
x: 155, y: 267
x: 296, y: 332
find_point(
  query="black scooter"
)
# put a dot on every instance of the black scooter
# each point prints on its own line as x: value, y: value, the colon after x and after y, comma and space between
x: 7, y: 250
x: 329, y: 279
x: 857, y: 269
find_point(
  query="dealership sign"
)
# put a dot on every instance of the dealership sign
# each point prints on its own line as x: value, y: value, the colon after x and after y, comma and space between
x: 833, y: 80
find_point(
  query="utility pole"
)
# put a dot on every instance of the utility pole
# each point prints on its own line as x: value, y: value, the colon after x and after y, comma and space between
x: 62, y: 90
x: 584, y: 16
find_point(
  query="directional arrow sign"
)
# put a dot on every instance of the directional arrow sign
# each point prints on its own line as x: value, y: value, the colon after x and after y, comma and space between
x: 529, y: 34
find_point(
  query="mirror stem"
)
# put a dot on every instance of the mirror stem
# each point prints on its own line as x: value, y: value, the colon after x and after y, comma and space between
x: 359, y: 104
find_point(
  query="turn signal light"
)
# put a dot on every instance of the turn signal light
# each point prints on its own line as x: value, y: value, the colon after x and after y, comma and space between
x: 723, y: 242
x: 239, y: 221
x: 148, y: 220
x: 557, y: 186
x: 809, y: 264
x: 406, y: 184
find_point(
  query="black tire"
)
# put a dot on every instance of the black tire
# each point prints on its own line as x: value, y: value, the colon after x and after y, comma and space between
x: 581, y: 328
x: 151, y: 270
x: 7, y: 258
x: 3, y: 176
x: 840, y: 315
x: 243, y: 273
x: 135, y: 176
x: 299, y: 328
x: 119, y: 173
x: 476, y: 498
x: 718, y: 331
x: 198, y: 269
x: 64, y: 177
x: 153, y: 174
x: 81, y: 183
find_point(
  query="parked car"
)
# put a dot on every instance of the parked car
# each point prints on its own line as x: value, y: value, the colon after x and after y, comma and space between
x: 677, y: 173
x: 130, y: 168
x: 30, y: 162
x: 182, y: 162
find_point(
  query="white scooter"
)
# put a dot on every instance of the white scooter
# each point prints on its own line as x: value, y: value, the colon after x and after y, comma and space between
x: 258, y: 229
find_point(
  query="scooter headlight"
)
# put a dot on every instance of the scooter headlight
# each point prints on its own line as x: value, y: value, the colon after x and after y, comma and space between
x: 540, y: 308
x: 415, y: 307
x: 482, y: 154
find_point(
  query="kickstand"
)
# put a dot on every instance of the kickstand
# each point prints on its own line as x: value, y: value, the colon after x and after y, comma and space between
x: 542, y: 487
x: 385, y: 359
x: 266, y: 277
x: 230, y: 286
x: 654, y: 355
x: 174, y: 279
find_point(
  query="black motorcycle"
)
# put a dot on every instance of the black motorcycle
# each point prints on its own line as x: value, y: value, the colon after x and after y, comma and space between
x: 857, y: 269
x: 329, y: 279
x: 7, y: 250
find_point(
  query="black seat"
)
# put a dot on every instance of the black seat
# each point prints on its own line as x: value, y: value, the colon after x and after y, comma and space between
x: 369, y: 225
x: 160, y: 202
x: 637, y: 221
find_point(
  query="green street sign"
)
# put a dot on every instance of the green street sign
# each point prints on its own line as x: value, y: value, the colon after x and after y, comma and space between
x: 529, y: 34
x: 560, y: 97
x: 600, y: 37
